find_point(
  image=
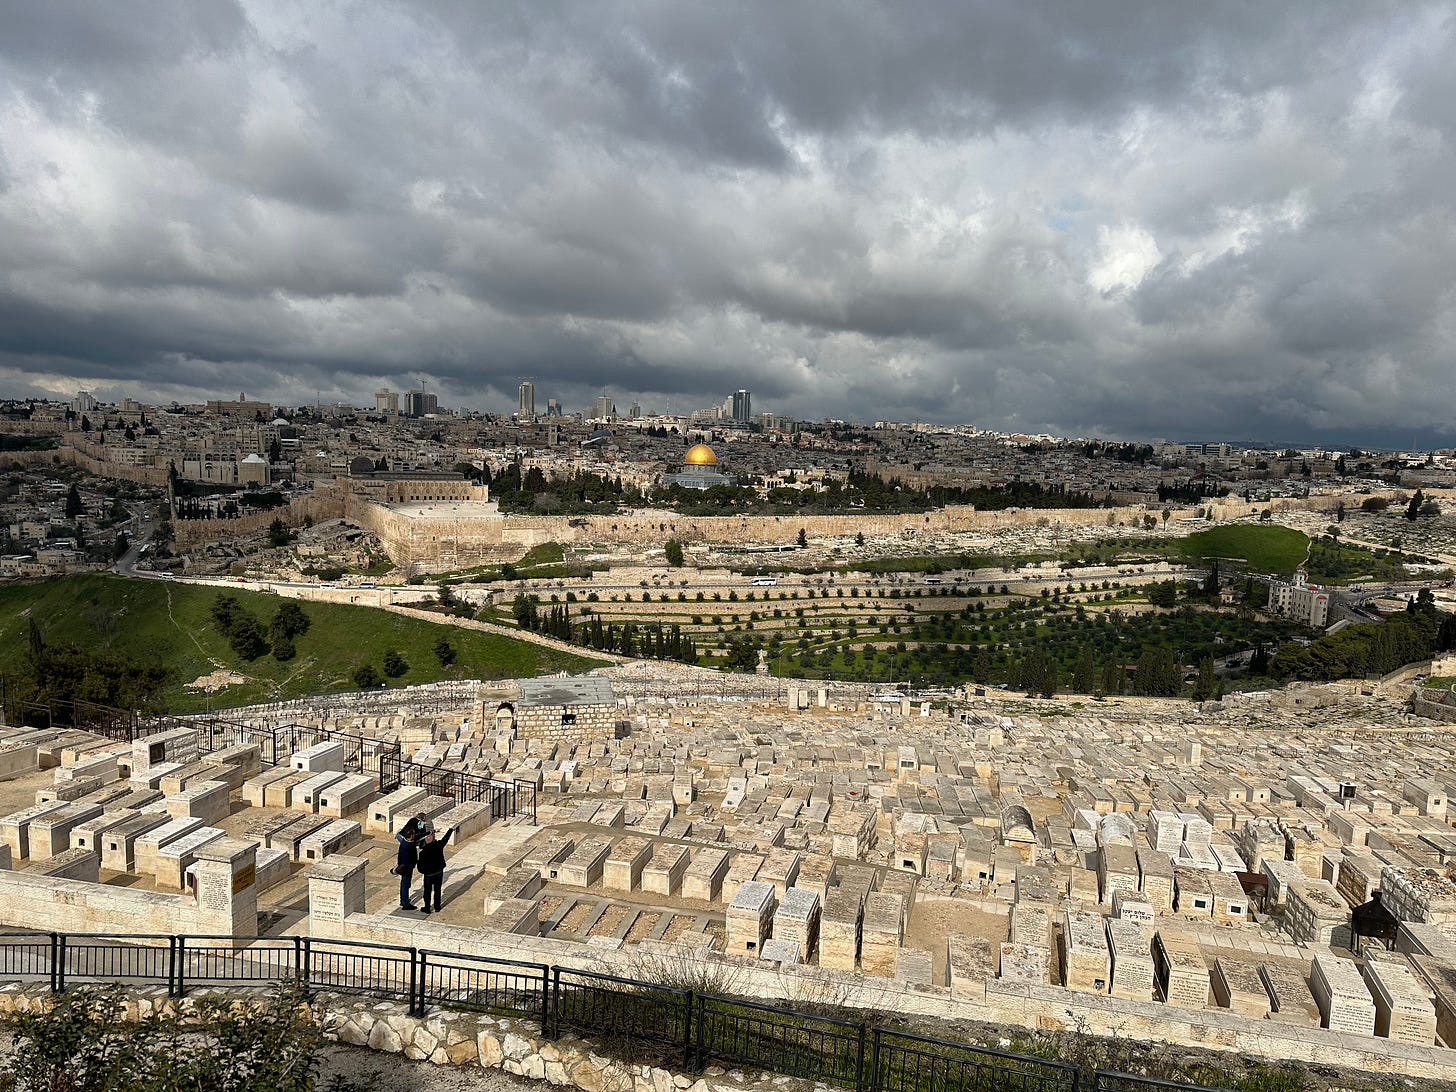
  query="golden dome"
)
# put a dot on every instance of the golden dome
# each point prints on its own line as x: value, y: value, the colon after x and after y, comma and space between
x: 700, y: 455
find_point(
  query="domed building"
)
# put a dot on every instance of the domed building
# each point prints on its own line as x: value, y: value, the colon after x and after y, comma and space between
x: 699, y: 470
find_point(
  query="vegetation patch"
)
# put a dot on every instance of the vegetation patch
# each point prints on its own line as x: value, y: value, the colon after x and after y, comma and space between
x: 152, y: 628
x: 1262, y: 548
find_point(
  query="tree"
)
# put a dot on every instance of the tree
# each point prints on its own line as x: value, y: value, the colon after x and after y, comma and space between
x: 1163, y: 593
x: 365, y: 677
x: 674, y: 552
x: 1084, y: 674
x: 74, y: 507
x: 1167, y: 515
x: 395, y: 665
x: 291, y: 619
x: 1206, y: 688
x: 803, y: 538
x: 1259, y: 662
x: 120, y: 546
x: 283, y: 647
x: 1413, y: 509
x: 243, y: 631
x: 859, y: 539
x: 444, y: 652
x: 445, y: 595
x: 742, y: 654
x: 1158, y: 673
x: 1374, y: 504
x: 524, y: 609
x: 278, y: 533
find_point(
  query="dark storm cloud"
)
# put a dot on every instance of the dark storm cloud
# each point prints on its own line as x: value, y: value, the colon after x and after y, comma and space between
x: 1125, y: 218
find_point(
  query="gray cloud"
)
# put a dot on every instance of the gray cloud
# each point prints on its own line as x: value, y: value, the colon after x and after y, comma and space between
x: 1129, y: 219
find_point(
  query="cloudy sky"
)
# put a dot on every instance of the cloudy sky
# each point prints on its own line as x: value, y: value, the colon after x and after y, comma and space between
x: 1222, y: 220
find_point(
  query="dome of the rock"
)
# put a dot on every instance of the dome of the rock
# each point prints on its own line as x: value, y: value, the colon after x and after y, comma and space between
x: 700, y: 455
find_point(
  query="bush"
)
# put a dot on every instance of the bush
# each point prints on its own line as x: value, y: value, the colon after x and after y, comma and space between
x: 395, y: 665
x: 366, y: 677
x: 82, y: 1043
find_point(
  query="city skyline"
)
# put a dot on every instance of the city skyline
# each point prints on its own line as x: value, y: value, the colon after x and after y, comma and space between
x: 1120, y: 222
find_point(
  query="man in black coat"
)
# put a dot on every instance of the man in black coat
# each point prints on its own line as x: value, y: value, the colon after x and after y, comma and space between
x: 432, y: 864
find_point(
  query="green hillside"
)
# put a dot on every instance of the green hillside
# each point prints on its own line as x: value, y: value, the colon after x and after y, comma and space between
x: 161, y: 622
x: 1264, y: 548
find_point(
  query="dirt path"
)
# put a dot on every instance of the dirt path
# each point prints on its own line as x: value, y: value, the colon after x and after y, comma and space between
x: 191, y: 636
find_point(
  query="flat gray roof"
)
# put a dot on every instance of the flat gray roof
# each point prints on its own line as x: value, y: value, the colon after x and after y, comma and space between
x: 577, y: 690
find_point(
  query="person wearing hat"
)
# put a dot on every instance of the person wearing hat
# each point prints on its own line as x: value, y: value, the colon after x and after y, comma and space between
x: 432, y: 864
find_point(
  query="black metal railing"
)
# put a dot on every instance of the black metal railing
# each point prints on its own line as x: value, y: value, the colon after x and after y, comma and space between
x: 622, y: 1009
x: 484, y: 985
x: 1106, y: 1081
x: 506, y: 799
x: 249, y: 961
x: 903, y: 1062
x: 816, y: 1048
x: 114, y: 957
x: 375, y: 970
x: 679, y: 1027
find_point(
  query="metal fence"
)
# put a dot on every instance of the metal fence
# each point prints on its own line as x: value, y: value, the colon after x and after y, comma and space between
x: 679, y: 1027
x: 1106, y: 1081
x: 506, y: 798
x: 117, y: 724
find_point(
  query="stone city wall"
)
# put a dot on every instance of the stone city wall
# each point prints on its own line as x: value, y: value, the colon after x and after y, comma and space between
x: 325, y: 502
x: 69, y: 453
x: 445, y: 543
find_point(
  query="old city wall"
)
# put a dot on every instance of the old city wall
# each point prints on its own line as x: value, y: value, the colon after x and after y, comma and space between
x: 449, y: 542
x: 453, y: 541
x: 101, y: 468
x: 326, y: 502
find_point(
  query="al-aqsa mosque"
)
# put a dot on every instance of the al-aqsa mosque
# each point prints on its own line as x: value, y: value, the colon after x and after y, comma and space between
x: 699, y: 470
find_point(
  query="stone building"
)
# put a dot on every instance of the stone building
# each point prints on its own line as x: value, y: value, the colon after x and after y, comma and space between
x: 564, y: 710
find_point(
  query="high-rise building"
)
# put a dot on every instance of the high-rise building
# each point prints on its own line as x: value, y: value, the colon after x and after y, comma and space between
x: 84, y: 402
x: 605, y: 407
x: 386, y: 401
x: 418, y: 403
x: 742, y: 406
x: 553, y: 408
x: 526, y: 400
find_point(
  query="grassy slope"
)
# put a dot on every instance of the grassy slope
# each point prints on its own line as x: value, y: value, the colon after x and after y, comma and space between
x: 1267, y: 549
x: 136, y: 619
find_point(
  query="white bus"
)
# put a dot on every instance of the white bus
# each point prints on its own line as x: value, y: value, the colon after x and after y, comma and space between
x: 764, y: 582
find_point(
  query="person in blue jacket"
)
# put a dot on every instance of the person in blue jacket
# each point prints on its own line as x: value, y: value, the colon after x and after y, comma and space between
x: 432, y: 865
x: 405, y: 860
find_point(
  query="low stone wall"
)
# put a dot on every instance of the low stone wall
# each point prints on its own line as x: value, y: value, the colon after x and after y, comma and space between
x: 1004, y: 1004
